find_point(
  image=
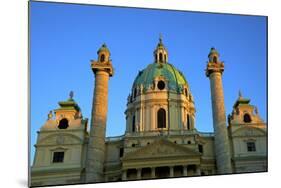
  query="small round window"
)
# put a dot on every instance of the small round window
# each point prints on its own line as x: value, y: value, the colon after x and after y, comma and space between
x: 161, y: 85
x: 63, y: 124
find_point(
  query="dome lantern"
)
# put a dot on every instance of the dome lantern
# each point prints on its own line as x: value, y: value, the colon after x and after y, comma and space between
x: 160, y: 53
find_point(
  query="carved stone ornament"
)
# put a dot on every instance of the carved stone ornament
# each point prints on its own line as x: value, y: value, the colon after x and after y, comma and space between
x: 50, y: 115
x: 60, y: 139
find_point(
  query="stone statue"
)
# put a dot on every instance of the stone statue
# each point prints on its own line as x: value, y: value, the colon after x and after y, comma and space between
x: 237, y: 111
x: 137, y: 127
x: 256, y: 110
x: 50, y: 115
x: 141, y: 89
x: 80, y: 115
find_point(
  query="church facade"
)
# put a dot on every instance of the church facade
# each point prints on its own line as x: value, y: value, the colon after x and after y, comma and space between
x: 161, y: 139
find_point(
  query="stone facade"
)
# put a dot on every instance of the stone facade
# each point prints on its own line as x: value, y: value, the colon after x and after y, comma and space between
x: 161, y: 139
x: 62, y: 136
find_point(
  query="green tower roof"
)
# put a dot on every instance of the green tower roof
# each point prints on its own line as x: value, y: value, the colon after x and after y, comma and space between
x: 175, y: 78
x: 103, y: 48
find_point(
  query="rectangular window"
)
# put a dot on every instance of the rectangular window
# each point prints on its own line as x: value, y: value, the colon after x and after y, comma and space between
x: 58, y: 157
x: 251, y: 146
x: 121, y: 152
x: 200, y: 148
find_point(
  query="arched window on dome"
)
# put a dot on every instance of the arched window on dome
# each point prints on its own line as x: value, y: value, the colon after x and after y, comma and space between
x: 161, y: 118
x: 165, y: 58
x: 161, y: 57
x: 102, y: 58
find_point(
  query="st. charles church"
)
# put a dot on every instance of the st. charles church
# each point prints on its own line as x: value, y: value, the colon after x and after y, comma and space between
x: 161, y: 139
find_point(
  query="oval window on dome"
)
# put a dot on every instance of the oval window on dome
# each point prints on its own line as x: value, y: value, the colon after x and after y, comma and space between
x: 161, y: 85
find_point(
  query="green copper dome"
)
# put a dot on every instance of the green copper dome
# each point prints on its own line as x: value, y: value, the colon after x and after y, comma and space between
x: 175, y: 78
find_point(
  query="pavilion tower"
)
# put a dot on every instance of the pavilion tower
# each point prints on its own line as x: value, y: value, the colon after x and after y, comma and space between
x: 102, y: 69
x: 214, y: 71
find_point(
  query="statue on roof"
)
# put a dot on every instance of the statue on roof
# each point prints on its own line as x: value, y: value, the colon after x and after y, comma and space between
x: 50, y: 115
x: 256, y: 110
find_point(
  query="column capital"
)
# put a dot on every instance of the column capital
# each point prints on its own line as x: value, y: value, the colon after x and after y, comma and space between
x: 214, y: 67
x: 99, y: 66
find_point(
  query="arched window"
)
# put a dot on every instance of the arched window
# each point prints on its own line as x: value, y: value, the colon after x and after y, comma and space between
x: 165, y: 59
x: 102, y: 58
x: 134, y: 124
x: 63, y: 124
x: 247, y: 118
x: 161, y: 57
x: 215, y: 59
x: 161, y: 118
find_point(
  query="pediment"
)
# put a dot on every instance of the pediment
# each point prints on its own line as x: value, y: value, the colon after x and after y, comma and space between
x: 161, y: 148
x: 60, y: 139
x: 249, y: 131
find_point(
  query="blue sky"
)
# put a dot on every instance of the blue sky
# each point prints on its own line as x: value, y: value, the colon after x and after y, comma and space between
x: 65, y: 37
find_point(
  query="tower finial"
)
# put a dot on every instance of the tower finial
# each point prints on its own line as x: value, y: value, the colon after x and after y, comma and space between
x: 240, y: 94
x: 160, y: 53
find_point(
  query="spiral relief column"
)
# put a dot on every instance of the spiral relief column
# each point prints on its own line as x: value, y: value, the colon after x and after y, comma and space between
x: 214, y: 71
x: 102, y: 69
